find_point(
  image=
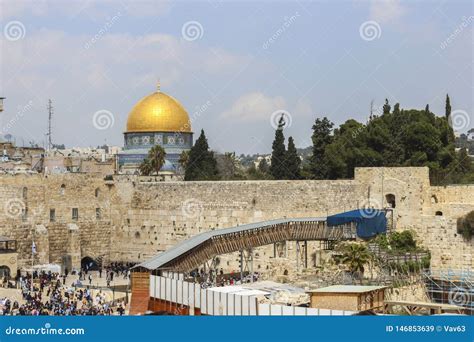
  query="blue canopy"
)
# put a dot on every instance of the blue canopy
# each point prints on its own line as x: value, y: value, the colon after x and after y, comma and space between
x: 370, y: 222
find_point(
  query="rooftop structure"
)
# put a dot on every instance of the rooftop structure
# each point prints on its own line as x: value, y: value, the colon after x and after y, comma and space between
x: 348, y: 297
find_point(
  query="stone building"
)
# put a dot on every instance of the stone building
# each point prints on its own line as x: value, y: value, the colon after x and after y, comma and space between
x: 131, y: 218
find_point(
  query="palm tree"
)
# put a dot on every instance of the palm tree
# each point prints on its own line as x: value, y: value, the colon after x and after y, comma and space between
x: 145, y: 167
x: 154, y: 162
x: 355, y: 256
x: 183, y: 159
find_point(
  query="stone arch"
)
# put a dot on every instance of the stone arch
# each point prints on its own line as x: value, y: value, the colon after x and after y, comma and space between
x: 391, y: 200
x: 137, y: 235
x: 62, y: 189
x: 434, y: 199
x: 97, y: 192
x: 4, y: 271
x: 89, y: 263
x: 439, y: 213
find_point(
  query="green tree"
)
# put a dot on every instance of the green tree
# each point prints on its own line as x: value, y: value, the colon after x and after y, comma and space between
x: 386, y: 107
x: 401, y: 242
x: 201, y: 163
x: 447, y: 106
x: 292, y: 161
x: 321, y: 138
x: 464, y: 163
x: 422, y: 137
x: 396, y: 109
x: 183, y: 159
x: 154, y: 161
x: 145, y: 167
x: 263, y: 166
x: 278, y: 168
x: 355, y: 256
x: 465, y: 225
x: 229, y: 166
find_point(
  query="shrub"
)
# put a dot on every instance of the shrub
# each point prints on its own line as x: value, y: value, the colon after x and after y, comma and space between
x: 465, y: 225
x: 403, y: 241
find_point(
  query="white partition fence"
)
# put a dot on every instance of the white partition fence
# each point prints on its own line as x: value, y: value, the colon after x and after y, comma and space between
x: 216, y: 303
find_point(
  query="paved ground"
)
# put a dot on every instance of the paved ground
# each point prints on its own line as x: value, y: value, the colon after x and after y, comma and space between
x: 15, y: 294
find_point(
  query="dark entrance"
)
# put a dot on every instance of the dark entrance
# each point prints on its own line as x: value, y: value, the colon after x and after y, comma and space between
x: 89, y: 264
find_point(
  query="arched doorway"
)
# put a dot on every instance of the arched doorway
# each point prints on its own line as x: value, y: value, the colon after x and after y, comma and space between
x: 390, y: 198
x: 89, y: 264
x: 4, y: 271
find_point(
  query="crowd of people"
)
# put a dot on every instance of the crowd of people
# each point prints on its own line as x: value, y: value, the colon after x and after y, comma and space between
x: 219, y: 278
x: 46, y: 293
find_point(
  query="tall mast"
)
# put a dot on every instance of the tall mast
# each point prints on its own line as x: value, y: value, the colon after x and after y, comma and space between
x: 50, y: 116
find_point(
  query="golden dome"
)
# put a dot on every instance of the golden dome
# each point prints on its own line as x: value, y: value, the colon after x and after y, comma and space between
x: 158, y: 112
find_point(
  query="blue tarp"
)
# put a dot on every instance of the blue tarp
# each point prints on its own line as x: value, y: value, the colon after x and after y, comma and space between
x: 370, y: 222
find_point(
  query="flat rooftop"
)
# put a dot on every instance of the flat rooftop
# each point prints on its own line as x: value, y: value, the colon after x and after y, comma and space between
x: 259, y: 287
x: 5, y: 239
x: 347, y: 289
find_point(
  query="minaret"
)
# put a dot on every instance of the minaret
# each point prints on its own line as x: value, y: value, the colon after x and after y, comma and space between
x: 158, y: 85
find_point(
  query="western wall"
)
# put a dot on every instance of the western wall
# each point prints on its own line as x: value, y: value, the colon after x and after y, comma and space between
x: 131, y: 218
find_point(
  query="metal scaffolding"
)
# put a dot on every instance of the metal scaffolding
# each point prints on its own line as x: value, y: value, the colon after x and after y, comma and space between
x: 455, y: 287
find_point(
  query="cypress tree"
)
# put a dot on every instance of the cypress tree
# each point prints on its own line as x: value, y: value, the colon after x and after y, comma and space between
x: 448, y: 106
x: 201, y: 164
x: 386, y: 107
x: 292, y: 161
x: 277, y: 167
x: 321, y: 139
x: 396, y: 109
x: 450, y: 133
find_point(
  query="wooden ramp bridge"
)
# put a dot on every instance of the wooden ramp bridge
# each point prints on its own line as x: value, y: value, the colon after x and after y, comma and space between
x: 202, y: 249
x: 197, y: 250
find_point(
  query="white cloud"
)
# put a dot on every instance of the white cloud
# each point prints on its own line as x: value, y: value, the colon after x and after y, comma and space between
x: 254, y: 106
x: 117, y: 57
x: 83, y: 75
x: 385, y: 11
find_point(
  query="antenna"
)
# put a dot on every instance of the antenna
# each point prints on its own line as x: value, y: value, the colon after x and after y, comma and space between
x: 371, y: 110
x: 50, y: 116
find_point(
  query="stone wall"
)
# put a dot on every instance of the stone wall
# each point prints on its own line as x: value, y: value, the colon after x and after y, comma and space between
x: 133, y: 218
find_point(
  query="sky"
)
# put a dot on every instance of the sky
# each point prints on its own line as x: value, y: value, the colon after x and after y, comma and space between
x: 234, y: 65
